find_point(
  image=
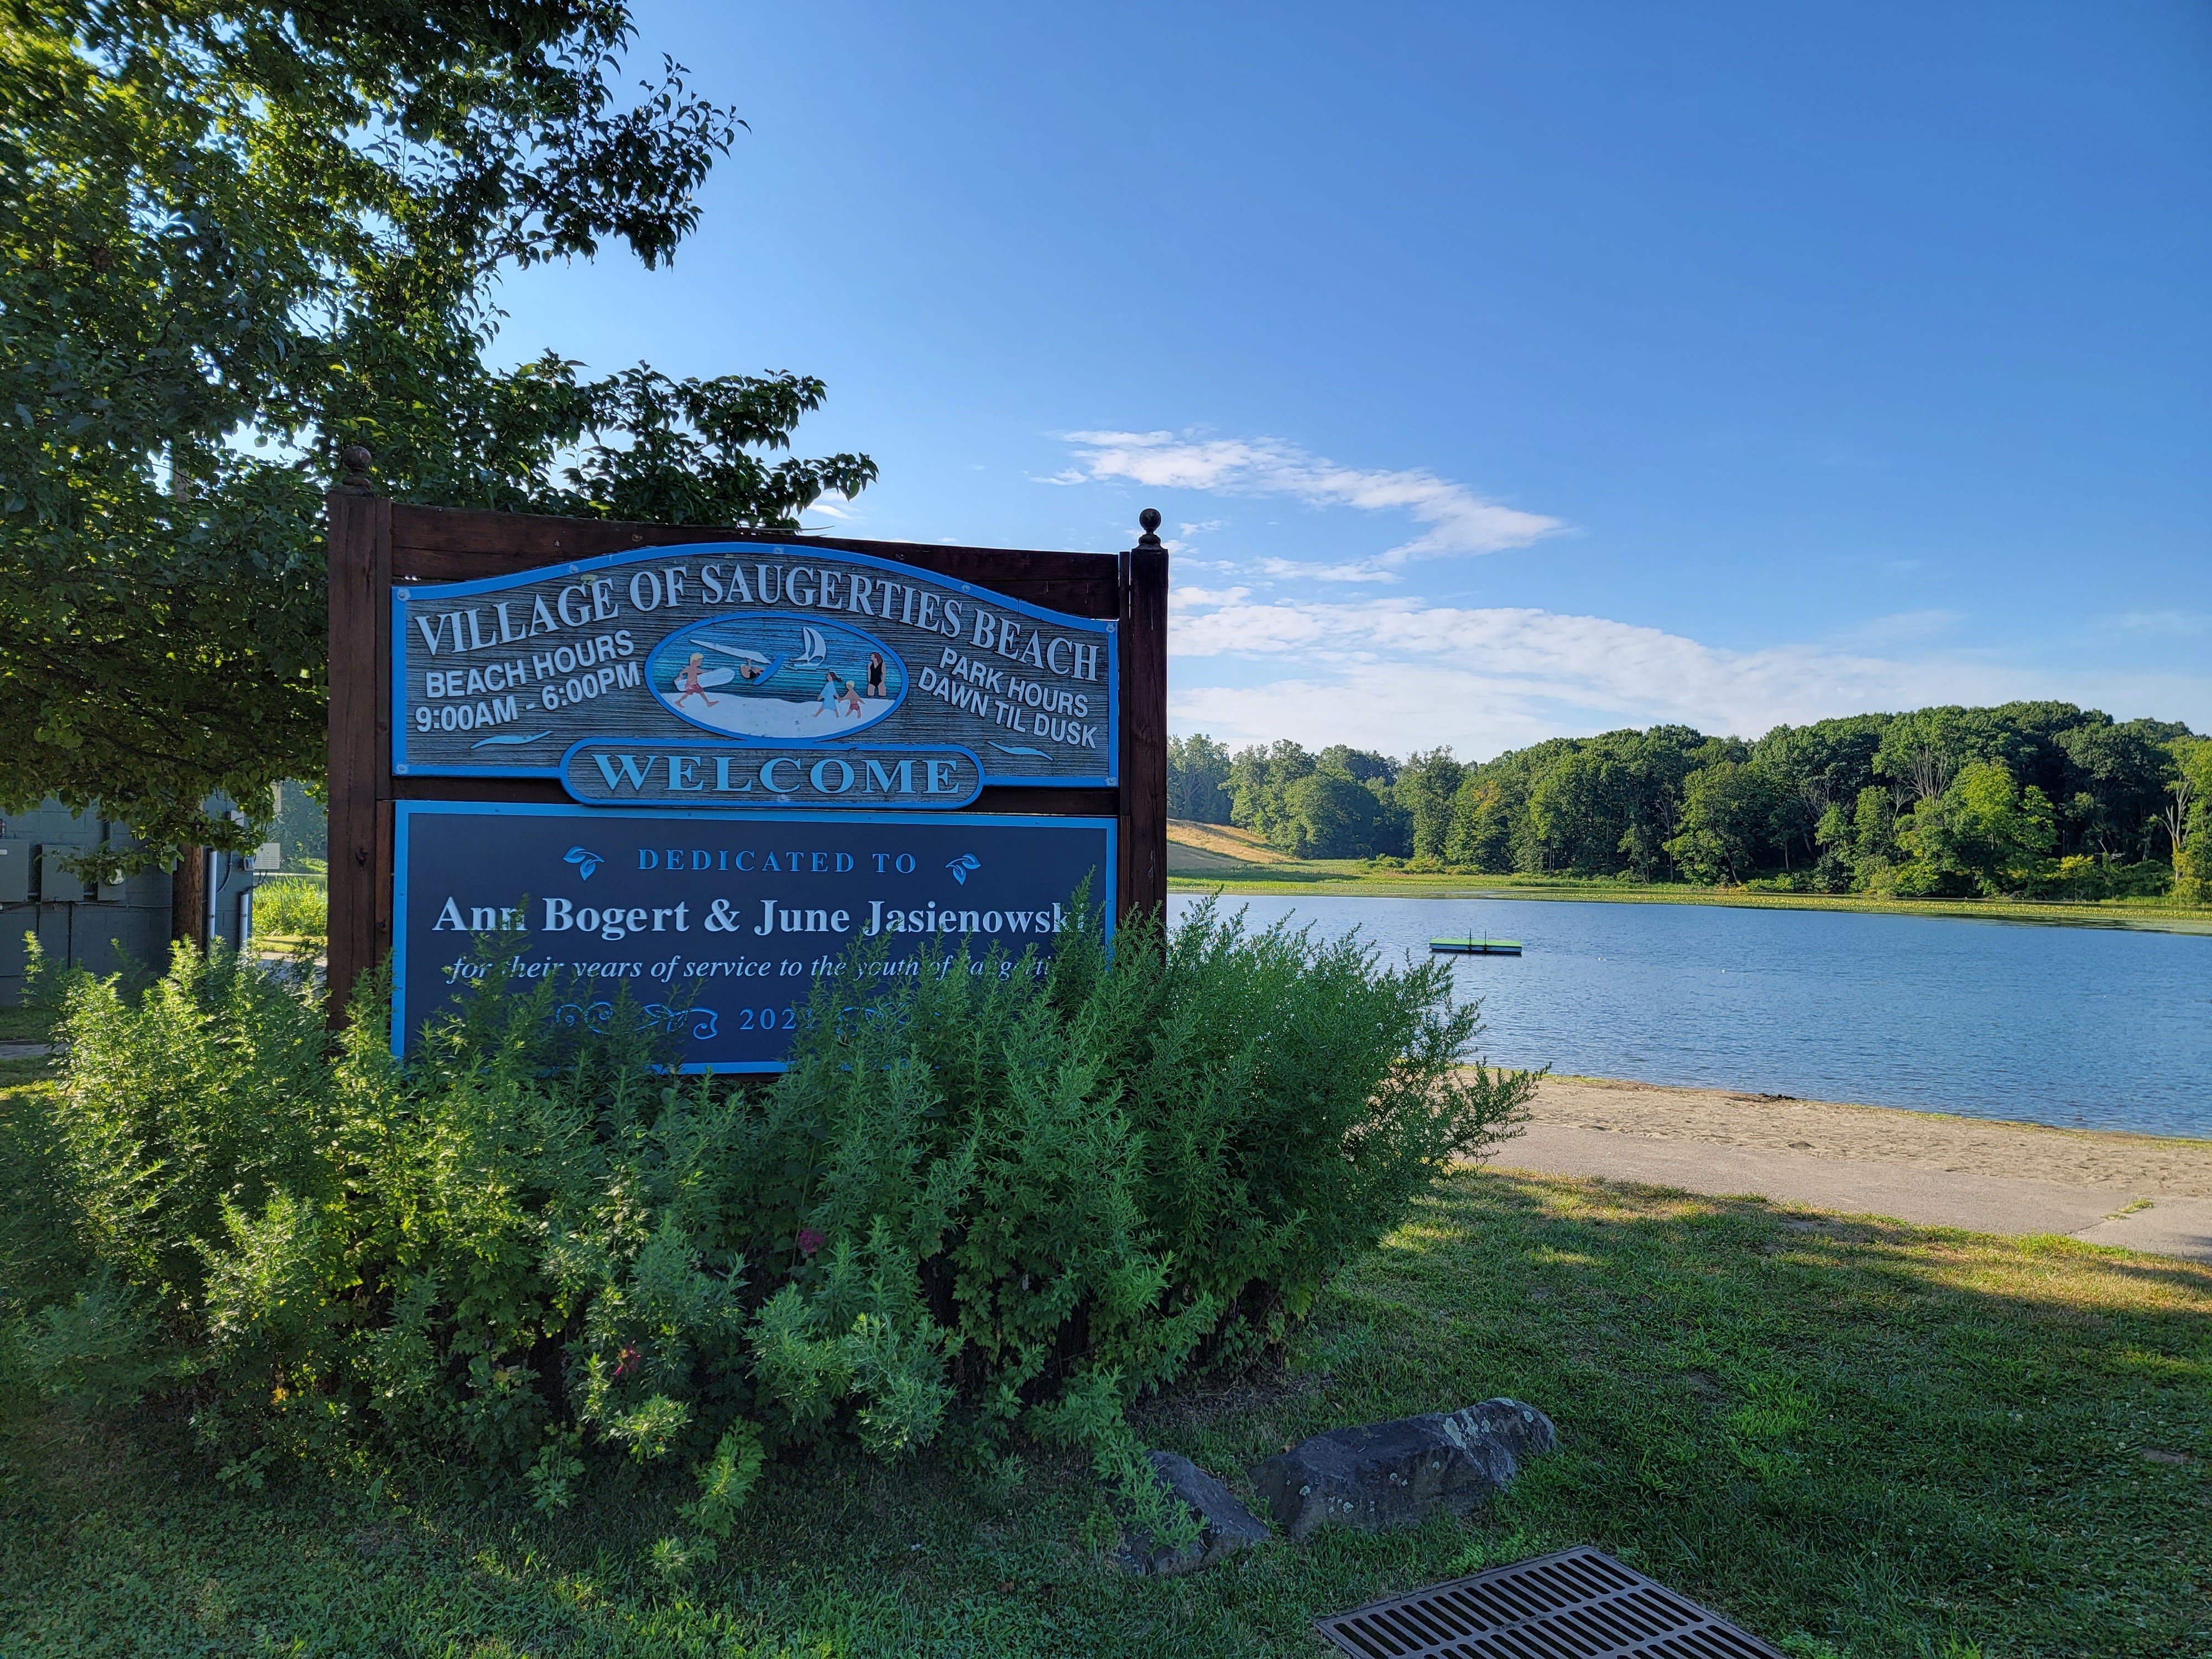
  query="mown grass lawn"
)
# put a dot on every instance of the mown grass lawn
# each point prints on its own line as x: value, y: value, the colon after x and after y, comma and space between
x: 1353, y: 879
x: 24, y: 1024
x: 1854, y: 1438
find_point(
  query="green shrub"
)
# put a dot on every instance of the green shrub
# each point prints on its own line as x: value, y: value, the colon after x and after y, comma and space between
x: 988, y: 1195
x: 209, y: 1093
x: 2083, y: 876
x: 1790, y: 881
x: 292, y: 908
x: 2192, y: 864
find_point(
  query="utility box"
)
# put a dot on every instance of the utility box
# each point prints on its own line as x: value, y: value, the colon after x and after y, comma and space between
x: 269, y: 857
x: 58, y: 884
x: 100, y: 925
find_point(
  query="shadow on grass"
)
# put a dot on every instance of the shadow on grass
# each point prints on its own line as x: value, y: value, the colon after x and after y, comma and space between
x: 1858, y: 1437
x: 1881, y: 1435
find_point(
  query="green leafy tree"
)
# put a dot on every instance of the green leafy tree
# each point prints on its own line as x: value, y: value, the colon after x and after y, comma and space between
x: 1617, y: 803
x: 1486, y: 808
x: 1608, y: 804
x: 1824, y: 766
x: 1426, y: 786
x: 1258, y: 779
x: 236, y: 237
x: 1336, y: 805
x: 1572, y: 811
x: 1984, y: 833
x: 1728, y: 815
x: 1923, y: 751
x: 1327, y: 815
x: 2116, y: 776
x: 1863, y: 841
x: 1198, y: 780
x: 2190, y: 823
x: 1361, y: 765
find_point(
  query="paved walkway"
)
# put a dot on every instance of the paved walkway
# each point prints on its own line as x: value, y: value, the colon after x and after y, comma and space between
x: 2121, y: 1191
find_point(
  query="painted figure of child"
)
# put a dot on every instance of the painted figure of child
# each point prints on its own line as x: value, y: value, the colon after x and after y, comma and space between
x: 687, y: 681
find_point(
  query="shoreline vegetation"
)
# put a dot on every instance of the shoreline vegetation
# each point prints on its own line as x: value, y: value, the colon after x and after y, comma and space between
x: 2043, y: 803
x: 1207, y: 858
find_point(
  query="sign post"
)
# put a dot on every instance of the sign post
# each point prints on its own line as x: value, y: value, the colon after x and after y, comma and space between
x: 699, y: 763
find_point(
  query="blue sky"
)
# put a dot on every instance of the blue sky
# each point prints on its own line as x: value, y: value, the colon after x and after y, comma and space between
x: 1502, y: 372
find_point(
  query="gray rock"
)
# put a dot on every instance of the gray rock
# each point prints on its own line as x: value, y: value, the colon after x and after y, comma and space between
x: 1227, y: 1525
x: 1393, y: 1474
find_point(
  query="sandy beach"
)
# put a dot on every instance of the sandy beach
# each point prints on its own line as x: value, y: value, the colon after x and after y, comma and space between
x: 2136, y: 1192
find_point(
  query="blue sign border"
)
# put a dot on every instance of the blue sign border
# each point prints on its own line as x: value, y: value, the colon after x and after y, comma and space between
x: 406, y: 810
x: 762, y: 745
x: 402, y: 595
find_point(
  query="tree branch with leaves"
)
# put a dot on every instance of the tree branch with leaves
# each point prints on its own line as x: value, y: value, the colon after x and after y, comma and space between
x: 239, y: 237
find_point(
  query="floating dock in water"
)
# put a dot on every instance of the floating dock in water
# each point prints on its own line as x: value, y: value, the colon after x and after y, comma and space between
x: 1475, y: 947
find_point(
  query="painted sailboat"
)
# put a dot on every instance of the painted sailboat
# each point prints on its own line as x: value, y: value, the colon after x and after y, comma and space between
x: 764, y: 668
x: 776, y: 676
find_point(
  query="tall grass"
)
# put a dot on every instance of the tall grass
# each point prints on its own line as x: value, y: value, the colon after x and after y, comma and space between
x: 292, y: 907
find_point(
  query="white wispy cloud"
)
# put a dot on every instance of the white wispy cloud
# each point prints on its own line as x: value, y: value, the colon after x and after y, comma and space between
x: 1396, y: 674
x: 834, y: 504
x: 1182, y: 597
x: 1304, y: 570
x: 2169, y: 624
x: 1457, y: 521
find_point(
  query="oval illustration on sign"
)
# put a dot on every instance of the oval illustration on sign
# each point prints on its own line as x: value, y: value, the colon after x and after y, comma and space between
x: 790, y: 678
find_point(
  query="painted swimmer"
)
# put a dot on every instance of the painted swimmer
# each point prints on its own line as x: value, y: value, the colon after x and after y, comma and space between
x: 876, y: 674
x: 687, y: 681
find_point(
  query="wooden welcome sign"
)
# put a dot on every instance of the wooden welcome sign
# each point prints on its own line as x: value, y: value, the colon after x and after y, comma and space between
x: 696, y: 765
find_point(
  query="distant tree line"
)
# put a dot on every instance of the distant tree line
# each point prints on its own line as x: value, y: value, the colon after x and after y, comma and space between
x: 2040, y: 798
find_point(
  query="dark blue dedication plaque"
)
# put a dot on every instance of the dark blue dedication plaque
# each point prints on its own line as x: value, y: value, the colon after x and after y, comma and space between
x: 718, y: 924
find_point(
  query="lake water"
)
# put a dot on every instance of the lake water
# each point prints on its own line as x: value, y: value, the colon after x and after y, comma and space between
x: 2080, y: 1027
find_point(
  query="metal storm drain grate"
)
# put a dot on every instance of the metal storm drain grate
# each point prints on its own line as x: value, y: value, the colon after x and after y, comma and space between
x: 1578, y: 1604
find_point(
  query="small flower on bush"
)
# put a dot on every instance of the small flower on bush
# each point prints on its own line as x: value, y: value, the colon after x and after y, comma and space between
x: 809, y: 1240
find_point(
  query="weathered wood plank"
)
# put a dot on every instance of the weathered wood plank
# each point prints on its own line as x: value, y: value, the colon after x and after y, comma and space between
x: 434, y: 543
x: 1003, y: 798
x: 360, y: 550
x: 539, y: 790
x: 1083, y: 596
x: 1143, y: 770
x: 1047, y: 803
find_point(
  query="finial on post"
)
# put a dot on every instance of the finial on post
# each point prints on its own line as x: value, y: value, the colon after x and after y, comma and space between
x: 355, y: 459
x: 1149, y: 521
